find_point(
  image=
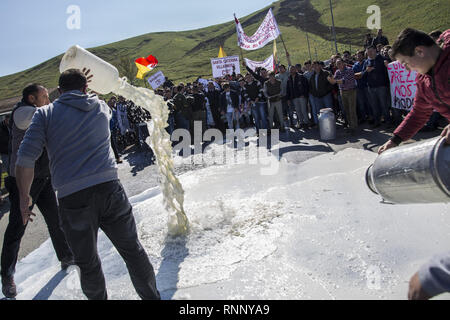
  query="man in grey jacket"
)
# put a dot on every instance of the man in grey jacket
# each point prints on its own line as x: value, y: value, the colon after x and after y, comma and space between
x: 75, y: 131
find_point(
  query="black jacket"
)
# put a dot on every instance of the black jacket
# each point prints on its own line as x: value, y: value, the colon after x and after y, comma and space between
x: 261, y: 81
x: 199, y: 102
x: 324, y: 87
x: 41, y: 167
x: 297, y: 87
x: 223, y: 100
x: 253, y: 91
x: 214, y: 101
x: 4, y: 138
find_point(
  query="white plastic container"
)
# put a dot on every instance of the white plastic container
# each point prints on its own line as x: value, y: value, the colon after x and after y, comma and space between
x: 105, y: 76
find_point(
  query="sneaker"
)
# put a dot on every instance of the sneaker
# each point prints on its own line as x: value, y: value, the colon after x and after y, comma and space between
x: 66, y: 263
x: 9, y: 287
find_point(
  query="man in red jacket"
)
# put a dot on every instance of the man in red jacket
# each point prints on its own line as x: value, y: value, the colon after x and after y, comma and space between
x: 419, y: 52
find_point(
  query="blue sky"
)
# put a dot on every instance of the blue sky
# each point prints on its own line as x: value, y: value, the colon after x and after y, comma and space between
x: 34, y: 31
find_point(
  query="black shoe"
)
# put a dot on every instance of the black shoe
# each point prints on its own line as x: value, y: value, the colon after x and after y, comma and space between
x: 376, y: 125
x: 66, y: 263
x: 9, y: 287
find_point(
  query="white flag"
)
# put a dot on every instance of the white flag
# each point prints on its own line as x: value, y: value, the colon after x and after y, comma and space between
x: 266, y: 32
x: 266, y: 64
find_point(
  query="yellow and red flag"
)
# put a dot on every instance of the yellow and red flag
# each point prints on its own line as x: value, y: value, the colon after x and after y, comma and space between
x: 145, y: 65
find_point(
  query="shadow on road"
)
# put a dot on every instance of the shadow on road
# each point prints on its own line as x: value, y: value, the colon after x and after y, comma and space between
x: 48, y: 289
x: 139, y: 159
x: 174, y: 253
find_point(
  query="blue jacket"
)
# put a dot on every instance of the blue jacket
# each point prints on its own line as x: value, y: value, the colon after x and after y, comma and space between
x: 378, y: 77
x: 357, y: 68
x: 114, y: 123
x: 75, y: 131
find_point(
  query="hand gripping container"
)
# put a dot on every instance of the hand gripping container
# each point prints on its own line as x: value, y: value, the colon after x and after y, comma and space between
x: 105, y: 76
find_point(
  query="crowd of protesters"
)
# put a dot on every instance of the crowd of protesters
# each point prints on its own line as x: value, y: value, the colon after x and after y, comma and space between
x: 356, y: 86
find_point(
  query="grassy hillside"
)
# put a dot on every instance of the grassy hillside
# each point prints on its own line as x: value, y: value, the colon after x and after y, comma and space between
x: 183, y: 56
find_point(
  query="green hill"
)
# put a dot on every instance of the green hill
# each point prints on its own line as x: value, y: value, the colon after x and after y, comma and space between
x: 184, y: 56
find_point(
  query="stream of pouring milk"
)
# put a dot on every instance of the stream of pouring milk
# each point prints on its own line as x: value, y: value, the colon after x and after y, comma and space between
x: 160, y: 142
x: 105, y: 80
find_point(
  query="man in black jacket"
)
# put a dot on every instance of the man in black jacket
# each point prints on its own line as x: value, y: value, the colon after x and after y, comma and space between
x: 229, y: 105
x: 198, y: 107
x: 42, y: 194
x: 297, y: 96
x: 253, y: 95
x: 261, y: 76
x: 4, y: 146
x: 213, y: 96
x: 183, y: 112
x: 320, y: 88
x: 4, y: 143
x: 380, y: 39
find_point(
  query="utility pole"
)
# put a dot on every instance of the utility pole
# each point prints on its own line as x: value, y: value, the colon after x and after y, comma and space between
x: 334, y: 30
x: 315, y: 49
x: 307, y: 38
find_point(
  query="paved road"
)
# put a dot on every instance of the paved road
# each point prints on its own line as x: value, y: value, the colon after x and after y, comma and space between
x: 138, y: 174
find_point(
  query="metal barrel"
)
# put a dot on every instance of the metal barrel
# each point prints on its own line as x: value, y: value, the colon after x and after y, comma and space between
x: 414, y: 173
x: 327, y: 124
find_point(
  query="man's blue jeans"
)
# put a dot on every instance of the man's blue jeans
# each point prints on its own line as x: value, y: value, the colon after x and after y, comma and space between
x: 362, y: 98
x: 260, y: 116
x: 379, y: 104
x: 323, y: 102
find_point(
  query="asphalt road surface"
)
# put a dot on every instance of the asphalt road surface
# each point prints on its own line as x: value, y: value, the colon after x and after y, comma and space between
x: 138, y: 173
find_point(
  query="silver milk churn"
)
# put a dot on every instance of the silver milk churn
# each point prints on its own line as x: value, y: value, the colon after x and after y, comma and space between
x: 413, y: 173
x: 327, y: 124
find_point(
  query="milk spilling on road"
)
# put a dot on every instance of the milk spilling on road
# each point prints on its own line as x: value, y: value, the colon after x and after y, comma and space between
x: 313, y: 231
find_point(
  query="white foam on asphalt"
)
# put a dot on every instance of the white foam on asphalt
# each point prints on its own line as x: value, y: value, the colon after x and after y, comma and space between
x: 312, y: 231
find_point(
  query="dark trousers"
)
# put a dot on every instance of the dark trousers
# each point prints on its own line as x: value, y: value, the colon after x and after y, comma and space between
x: 114, y: 144
x: 45, y: 199
x: 105, y: 206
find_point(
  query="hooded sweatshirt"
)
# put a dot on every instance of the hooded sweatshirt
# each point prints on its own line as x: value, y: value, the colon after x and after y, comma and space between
x: 75, y: 131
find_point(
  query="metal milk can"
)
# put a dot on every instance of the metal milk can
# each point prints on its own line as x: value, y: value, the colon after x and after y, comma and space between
x: 327, y: 124
x: 413, y: 173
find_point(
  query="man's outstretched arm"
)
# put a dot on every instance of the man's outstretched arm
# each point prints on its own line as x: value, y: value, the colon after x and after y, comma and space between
x: 24, y: 179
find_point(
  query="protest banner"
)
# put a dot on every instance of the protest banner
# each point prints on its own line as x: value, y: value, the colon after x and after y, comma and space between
x: 204, y: 83
x: 403, y: 86
x: 267, y: 64
x: 266, y: 32
x: 223, y: 66
x: 157, y: 80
